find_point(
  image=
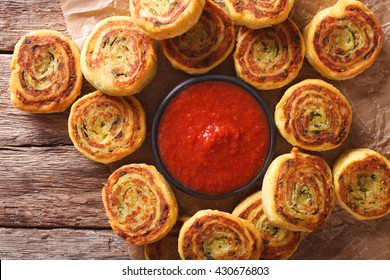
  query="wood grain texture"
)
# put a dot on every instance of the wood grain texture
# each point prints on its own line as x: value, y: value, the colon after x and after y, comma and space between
x: 51, y: 187
x: 21, y: 16
x: 47, y: 244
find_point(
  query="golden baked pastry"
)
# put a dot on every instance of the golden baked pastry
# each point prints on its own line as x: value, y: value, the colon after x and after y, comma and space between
x: 165, y: 19
x: 117, y: 58
x: 139, y: 204
x: 313, y: 115
x: 258, y: 14
x: 215, y: 235
x: 279, y: 243
x: 269, y: 58
x: 46, y: 75
x: 343, y: 40
x: 362, y: 183
x: 167, y: 247
x: 106, y: 128
x: 205, y: 45
x: 297, y: 192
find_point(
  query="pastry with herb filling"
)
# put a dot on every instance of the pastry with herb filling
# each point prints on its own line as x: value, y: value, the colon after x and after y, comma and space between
x: 314, y: 115
x: 297, y: 192
x: 343, y: 40
x: 362, y: 183
x: 269, y: 58
x: 117, y: 58
x: 205, y: 45
x: 107, y: 128
x: 258, y: 14
x: 165, y: 19
x: 216, y: 235
x: 46, y: 75
x: 139, y: 204
x: 279, y: 243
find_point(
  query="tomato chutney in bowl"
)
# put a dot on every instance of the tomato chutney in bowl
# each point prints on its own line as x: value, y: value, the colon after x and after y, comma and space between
x: 213, y: 136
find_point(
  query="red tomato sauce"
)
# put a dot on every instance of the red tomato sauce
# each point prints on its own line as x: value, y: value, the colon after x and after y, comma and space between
x: 213, y: 137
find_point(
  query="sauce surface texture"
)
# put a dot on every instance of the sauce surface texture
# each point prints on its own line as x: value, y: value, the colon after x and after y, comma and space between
x: 213, y: 137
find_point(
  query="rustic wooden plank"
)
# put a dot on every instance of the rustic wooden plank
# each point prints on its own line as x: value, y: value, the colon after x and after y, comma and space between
x: 46, y: 244
x: 51, y: 187
x: 21, y: 16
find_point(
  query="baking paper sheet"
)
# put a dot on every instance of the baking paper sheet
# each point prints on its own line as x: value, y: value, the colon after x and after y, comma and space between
x: 369, y: 93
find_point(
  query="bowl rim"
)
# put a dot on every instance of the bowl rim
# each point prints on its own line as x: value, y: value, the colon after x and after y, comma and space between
x: 176, y: 91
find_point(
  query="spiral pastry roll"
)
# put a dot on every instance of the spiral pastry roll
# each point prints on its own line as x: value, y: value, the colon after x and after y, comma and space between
x: 139, y: 203
x: 297, y: 192
x: 215, y: 235
x: 46, y: 75
x: 106, y: 128
x: 362, y: 183
x: 278, y: 243
x: 313, y: 115
x: 117, y: 59
x: 343, y: 40
x: 258, y: 14
x: 205, y: 45
x: 165, y: 19
x: 269, y: 58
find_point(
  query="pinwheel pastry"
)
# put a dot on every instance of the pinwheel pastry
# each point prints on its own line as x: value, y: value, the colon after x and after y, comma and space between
x: 117, y: 58
x: 106, y: 128
x: 258, y: 14
x: 165, y: 19
x: 297, y: 192
x: 313, y: 115
x: 215, y: 235
x: 278, y: 243
x: 139, y: 203
x: 343, y: 40
x: 46, y: 75
x: 205, y: 45
x: 269, y: 58
x: 167, y: 247
x: 362, y: 183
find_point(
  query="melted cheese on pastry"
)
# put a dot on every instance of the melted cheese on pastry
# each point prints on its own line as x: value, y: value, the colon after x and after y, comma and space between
x: 46, y: 75
x: 297, y: 192
x: 362, y: 183
x: 139, y: 203
x: 205, y: 45
x: 269, y: 58
x: 106, y: 128
x: 343, y: 40
x: 163, y: 19
x: 117, y: 59
x: 313, y: 115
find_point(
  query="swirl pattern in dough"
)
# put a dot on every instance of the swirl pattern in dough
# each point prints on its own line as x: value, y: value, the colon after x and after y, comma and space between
x: 215, y: 235
x: 297, y: 192
x: 139, y: 203
x: 362, y: 183
x: 107, y: 128
x: 117, y: 58
x: 165, y: 19
x: 279, y: 243
x: 46, y: 75
x: 343, y: 40
x: 269, y: 58
x: 205, y: 45
x: 258, y: 14
x: 314, y: 115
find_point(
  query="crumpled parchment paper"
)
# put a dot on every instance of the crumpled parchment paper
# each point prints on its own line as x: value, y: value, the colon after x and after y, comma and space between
x: 369, y: 93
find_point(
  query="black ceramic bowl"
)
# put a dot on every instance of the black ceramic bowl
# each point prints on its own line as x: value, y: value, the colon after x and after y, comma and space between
x: 253, y: 92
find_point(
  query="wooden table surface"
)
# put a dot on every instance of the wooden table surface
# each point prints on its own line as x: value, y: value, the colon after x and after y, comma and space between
x: 50, y: 204
x: 50, y: 194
